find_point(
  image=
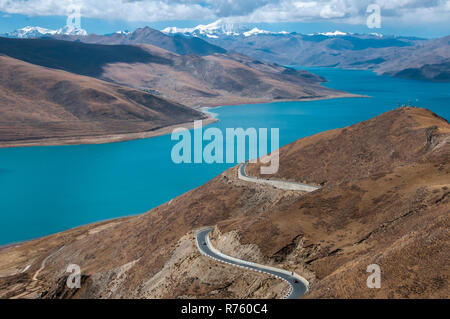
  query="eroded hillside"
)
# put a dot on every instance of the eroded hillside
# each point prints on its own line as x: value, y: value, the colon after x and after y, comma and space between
x: 194, y: 80
x: 384, y: 200
x: 45, y: 106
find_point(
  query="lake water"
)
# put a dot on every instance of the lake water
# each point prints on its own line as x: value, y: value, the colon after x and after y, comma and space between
x: 44, y: 190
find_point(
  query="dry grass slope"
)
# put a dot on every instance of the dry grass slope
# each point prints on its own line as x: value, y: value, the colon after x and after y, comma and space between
x: 40, y: 103
x: 392, y: 211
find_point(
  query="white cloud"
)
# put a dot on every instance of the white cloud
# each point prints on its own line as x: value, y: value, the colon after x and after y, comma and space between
x: 112, y: 9
x: 350, y: 11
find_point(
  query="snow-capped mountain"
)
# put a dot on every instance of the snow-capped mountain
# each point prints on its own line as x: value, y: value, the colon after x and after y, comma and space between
x: 212, y: 30
x: 379, y: 35
x: 338, y: 33
x: 221, y: 28
x: 256, y: 31
x: 334, y: 34
x: 218, y: 29
x: 36, y: 32
x: 69, y: 30
x: 122, y: 32
x: 30, y: 32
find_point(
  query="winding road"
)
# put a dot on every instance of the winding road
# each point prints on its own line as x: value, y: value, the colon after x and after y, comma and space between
x: 35, y: 276
x: 291, y: 186
x: 298, y: 284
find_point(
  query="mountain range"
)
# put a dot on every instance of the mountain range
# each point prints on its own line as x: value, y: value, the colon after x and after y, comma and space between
x: 218, y: 29
x: 221, y: 29
x: 145, y: 77
x: 46, y: 106
x: 400, y: 56
x: 37, y: 32
x: 408, y: 57
x: 176, y: 43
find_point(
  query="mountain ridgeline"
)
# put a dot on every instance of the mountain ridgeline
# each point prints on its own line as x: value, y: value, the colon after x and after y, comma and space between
x: 193, y: 80
x: 74, y: 57
x: 407, y: 57
x: 400, y: 56
x: 46, y: 106
x: 178, y: 43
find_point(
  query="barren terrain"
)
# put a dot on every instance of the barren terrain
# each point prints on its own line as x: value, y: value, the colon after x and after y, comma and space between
x: 46, y: 106
x: 60, y: 92
x: 218, y: 79
x: 193, y: 80
x: 387, y: 205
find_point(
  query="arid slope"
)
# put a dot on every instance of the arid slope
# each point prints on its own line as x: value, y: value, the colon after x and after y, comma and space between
x: 217, y: 79
x: 192, y: 80
x: 45, y: 106
x: 384, y: 201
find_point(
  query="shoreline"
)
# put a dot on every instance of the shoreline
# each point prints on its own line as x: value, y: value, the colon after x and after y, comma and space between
x: 92, y: 225
x: 329, y: 97
x: 113, y: 138
x: 103, y: 139
x: 123, y: 137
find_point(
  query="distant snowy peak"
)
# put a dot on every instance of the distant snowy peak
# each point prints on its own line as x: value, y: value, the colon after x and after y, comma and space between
x: 122, y: 32
x: 36, y: 32
x: 338, y: 33
x: 218, y: 29
x: 30, y: 32
x: 69, y: 30
x: 255, y: 31
x: 334, y: 33
x: 212, y: 30
x: 378, y: 35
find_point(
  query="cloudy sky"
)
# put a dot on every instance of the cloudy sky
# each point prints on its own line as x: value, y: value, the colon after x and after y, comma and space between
x: 407, y: 17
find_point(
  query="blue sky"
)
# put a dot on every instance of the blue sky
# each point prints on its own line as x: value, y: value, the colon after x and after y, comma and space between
x: 424, y: 18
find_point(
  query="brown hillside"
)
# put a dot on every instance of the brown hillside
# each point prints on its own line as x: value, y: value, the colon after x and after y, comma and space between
x: 396, y: 216
x: 219, y: 79
x: 40, y: 104
x: 208, y: 79
x: 376, y: 146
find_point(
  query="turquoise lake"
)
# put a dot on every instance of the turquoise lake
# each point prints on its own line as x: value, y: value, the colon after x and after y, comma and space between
x: 44, y: 190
